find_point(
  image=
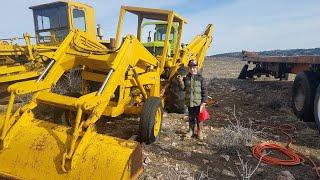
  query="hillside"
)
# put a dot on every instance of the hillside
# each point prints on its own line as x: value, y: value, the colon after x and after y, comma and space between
x: 289, y: 52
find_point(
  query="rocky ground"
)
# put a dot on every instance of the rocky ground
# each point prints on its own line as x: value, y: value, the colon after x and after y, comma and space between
x: 243, y: 116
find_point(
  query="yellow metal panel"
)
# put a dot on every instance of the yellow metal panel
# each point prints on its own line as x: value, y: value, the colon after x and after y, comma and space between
x: 35, y: 152
x: 57, y: 99
x: 154, y: 14
x: 2, y: 118
x: 90, y: 76
x: 19, y: 76
x: 11, y: 69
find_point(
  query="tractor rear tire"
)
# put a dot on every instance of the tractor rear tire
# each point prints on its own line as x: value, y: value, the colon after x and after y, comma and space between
x: 303, y: 93
x: 151, y: 120
x: 317, y: 108
x: 175, y: 96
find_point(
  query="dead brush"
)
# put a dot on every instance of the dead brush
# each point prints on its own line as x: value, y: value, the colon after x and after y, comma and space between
x: 179, y: 173
x: 236, y: 136
x: 70, y: 82
x: 246, y: 171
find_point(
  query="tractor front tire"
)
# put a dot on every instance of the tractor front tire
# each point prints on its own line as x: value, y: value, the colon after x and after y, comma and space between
x: 150, y: 120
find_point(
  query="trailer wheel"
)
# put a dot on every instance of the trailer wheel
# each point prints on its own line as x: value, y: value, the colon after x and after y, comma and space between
x: 250, y: 74
x: 317, y: 108
x: 150, y: 120
x: 244, y: 71
x: 303, y: 92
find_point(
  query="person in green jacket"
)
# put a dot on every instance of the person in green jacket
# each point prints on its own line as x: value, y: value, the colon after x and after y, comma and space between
x: 196, y: 97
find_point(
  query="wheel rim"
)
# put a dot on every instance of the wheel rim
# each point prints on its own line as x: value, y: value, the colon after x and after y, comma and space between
x: 157, y: 123
x: 299, y: 98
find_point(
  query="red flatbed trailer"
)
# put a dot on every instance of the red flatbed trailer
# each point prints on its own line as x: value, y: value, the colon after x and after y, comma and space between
x: 305, y: 90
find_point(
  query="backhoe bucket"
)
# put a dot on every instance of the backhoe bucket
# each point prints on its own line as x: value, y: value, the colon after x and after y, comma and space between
x: 36, y: 147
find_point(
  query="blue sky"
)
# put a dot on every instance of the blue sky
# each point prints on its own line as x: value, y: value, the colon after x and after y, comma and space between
x: 239, y: 24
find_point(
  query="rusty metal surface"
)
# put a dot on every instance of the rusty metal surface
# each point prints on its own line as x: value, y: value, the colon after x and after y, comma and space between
x: 254, y: 57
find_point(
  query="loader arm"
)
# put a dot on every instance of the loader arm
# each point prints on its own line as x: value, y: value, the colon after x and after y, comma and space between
x: 131, y: 61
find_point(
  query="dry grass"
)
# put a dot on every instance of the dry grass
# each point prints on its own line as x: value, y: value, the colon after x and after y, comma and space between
x: 236, y: 136
x: 178, y: 173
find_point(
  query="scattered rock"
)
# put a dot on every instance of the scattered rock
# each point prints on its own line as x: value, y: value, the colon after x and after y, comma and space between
x: 147, y: 160
x: 166, y: 139
x: 216, y: 170
x: 259, y: 170
x: 226, y: 157
x: 188, y: 153
x: 228, y: 173
x: 285, y: 175
x: 249, y: 96
x: 174, y: 144
x: 205, y: 161
x: 148, y: 178
x: 176, y: 168
x: 159, y: 176
x: 263, y: 164
x: 232, y: 88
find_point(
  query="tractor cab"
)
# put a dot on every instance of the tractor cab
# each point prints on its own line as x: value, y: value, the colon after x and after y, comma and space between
x: 155, y: 35
x: 54, y: 21
x: 163, y: 40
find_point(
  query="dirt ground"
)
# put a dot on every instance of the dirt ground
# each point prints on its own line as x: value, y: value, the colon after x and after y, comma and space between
x: 239, y: 120
x: 256, y: 104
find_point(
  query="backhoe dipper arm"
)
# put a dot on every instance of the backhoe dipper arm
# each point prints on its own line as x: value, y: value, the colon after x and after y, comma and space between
x: 196, y: 49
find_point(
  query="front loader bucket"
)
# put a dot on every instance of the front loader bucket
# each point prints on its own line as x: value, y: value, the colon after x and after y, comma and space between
x: 36, y: 148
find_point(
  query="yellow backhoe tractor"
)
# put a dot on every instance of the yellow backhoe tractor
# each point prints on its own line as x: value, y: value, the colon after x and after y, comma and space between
x: 52, y: 24
x: 117, y: 78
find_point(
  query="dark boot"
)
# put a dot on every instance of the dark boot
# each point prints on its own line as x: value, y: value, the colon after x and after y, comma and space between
x: 191, y: 131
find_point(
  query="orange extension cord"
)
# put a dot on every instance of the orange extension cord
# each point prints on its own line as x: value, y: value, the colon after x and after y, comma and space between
x: 295, y: 157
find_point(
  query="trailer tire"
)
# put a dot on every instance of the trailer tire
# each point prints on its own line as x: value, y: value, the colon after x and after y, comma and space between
x: 151, y: 120
x: 303, y: 93
x: 317, y: 108
x: 250, y: 74
x: 244, y: 72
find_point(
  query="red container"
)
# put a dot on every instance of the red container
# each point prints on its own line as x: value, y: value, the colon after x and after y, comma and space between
x: 203, y: 115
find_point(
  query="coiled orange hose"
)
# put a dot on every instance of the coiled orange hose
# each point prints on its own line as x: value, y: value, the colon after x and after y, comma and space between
x: 295, y: 158
x: 258, y: 152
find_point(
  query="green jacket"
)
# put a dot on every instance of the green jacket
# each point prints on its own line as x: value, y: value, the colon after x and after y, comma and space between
x: 196, y: 90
